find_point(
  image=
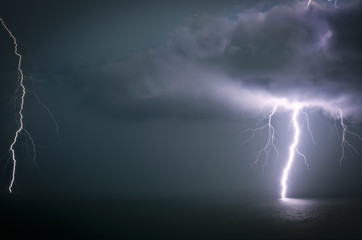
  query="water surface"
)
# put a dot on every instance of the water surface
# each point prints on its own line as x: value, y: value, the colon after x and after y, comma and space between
x: 95, y: 217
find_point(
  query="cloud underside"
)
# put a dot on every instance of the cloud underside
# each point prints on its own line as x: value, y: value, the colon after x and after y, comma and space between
x: 216, y: 67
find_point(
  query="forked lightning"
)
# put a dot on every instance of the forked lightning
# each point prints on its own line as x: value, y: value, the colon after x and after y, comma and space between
x: 20, y: 116
x: 297, y: 109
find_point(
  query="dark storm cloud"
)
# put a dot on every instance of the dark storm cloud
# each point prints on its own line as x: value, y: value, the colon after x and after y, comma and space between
x: 346, y: 45
x: 215, y: 66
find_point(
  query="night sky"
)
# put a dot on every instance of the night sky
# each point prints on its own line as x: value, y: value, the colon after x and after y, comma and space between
x: 152, y: 97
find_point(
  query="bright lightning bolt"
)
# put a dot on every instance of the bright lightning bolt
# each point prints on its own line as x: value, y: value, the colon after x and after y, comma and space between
x: 23, y: 92
x: 310, y: 2
x: 292, y: 150
x: 298, y: 109
x: 21, y: 130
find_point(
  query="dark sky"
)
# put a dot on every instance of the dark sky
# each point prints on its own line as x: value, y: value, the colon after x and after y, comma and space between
x: 151, y: 97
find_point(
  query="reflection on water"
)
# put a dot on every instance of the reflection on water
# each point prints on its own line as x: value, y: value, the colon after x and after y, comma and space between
x: 307, y: 218
x: 297, y: 201
x: 304, y: 211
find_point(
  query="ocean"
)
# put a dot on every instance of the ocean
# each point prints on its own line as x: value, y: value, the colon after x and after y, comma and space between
x: 190, y: 217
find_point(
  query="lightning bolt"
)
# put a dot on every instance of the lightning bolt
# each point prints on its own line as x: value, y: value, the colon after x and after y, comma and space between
x: 335, y: 2
x: 48, y: 111
x: 345, y: 142
x: 292, y: 150
x: 23, y: 92
x: 270, y: 143
x: 309, y: 2
x: 21, y: 129
x: 298, y: 110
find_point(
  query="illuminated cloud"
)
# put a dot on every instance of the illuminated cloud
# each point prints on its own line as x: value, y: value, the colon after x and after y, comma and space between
x: 217, y: 66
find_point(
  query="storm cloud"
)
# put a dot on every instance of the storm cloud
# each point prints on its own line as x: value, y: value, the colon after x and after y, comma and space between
x: 219, y: 66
